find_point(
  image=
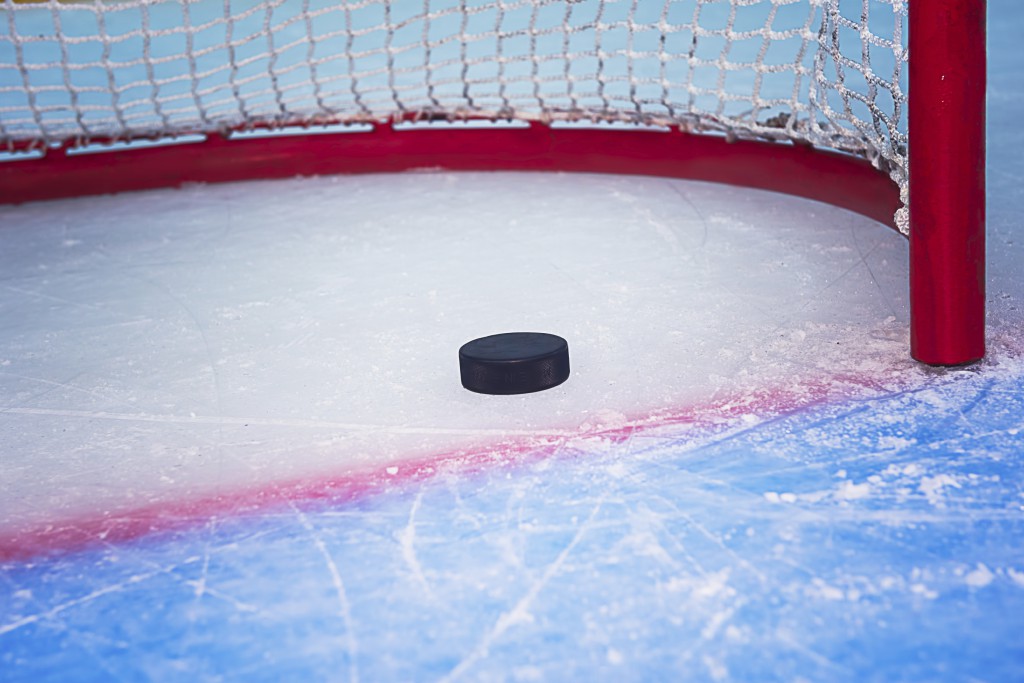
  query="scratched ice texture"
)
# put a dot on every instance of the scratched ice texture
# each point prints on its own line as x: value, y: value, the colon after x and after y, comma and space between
x: 776, y: 509
x: 871, y: 539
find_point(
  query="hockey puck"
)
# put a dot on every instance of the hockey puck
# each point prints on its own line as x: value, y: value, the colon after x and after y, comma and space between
x: 514, y: 363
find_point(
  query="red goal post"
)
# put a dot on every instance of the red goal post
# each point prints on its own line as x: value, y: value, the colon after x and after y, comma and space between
x: 945, y: 120
x: 947, y: 202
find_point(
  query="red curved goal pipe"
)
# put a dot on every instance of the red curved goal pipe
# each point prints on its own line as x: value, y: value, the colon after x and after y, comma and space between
x: 947, y: 171
x: 839, y: 179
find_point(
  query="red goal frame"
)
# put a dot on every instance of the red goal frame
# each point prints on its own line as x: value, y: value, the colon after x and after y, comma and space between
x: 947, y: 71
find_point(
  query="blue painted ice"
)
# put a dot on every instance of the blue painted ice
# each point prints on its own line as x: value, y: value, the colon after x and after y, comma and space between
x: 870, y: 539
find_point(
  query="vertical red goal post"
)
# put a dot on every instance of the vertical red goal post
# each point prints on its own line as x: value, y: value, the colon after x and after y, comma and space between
x: 876, y: 106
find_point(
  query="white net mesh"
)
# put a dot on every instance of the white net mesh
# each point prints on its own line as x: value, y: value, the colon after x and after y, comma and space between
x: 828, y: 72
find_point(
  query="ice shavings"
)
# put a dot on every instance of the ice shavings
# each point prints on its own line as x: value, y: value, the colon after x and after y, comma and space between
x: 980, y: 577
x: 934, y: 487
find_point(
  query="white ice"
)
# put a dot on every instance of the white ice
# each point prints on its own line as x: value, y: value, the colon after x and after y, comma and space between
x: 170, y: 344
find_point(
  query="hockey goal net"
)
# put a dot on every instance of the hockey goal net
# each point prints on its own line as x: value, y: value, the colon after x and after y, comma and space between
x: 751, y: 91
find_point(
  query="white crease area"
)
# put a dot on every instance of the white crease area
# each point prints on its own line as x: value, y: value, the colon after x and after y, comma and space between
x: 286, y: 422
x: 249, y: 327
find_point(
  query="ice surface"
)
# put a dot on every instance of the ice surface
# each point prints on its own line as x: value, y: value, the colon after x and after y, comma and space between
x: 215, y: 396
x: 767, y: 506
x: 859, y: 540
x: 177, y: 343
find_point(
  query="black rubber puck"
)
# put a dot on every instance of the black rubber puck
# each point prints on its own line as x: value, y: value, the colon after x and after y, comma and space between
x: 514, y: 363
